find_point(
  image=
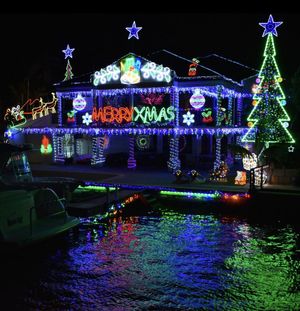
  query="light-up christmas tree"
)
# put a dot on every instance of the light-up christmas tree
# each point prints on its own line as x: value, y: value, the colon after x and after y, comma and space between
x: 69, y: 74
x: 268, y: 120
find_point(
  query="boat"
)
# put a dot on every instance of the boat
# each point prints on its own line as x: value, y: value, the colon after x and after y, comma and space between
x: 31, y: 209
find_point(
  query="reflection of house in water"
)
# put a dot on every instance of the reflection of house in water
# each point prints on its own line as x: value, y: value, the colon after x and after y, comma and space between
x: 139, y: 112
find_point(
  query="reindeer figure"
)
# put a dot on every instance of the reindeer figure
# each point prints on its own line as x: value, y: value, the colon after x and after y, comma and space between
x: 49, y: 106
x: 38, y: 110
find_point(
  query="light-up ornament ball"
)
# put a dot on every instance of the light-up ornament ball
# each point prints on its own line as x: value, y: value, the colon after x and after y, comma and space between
x: 79, y: 103
x: 279, y: 79
x: 254, y: 103
x: 197, y: 100
x: 254, y: 88
x: 250, y: 124
x: 257, y: 80
x: 283, y: 102
x: 285, y: 124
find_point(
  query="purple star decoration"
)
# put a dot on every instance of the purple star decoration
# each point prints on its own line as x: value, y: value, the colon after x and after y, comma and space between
x: 68, y: 52
x: 270, y: 26
x: 133, y: 31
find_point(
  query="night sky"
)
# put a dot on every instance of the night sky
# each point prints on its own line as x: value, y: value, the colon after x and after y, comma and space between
x: 31, y: 40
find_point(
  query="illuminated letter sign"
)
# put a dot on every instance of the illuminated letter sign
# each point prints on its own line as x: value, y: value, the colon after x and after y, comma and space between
x: 110, y: 114
x: 147, y: 114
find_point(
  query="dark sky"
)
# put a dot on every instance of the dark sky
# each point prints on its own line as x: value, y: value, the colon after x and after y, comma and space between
x: 35, y: 38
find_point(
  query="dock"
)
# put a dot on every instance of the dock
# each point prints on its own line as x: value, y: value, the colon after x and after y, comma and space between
x: 129, y: 182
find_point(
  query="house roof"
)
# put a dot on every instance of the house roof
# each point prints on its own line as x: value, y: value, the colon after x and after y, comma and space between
x: 209, y: 68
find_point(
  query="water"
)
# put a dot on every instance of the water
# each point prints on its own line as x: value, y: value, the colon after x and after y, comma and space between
x: 169, y: 261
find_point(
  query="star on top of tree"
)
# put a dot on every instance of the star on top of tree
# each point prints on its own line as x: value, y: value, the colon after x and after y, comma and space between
x: 68, y: 52
x: 133, y: 31
x: 270, y: 26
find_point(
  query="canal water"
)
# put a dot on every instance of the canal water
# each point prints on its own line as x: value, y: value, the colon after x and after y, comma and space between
x: 167, y: 260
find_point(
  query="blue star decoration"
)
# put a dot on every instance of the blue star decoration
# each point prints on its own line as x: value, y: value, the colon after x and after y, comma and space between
x: 68, y: 52
x: 133, y: 31
x: 270, y: 26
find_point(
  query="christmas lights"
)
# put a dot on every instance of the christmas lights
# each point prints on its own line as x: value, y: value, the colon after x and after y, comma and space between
x: 131, y: 164
x: 14, y: 117
x: 79, y: 103
x: 130, y: 70
x: 111, y: 72
x: 207, y: 115
x: 229, y: 120
x: 270, y: 26
x: 133, y: 31
x: 111, y: 114
x: 87, y: 119
x: 188, y: 118
x: 291, y: 149
x: 241, y: 178
x: 98, y: 157
x: 174, y: 161
x: 143, y: 142
x: 68, y: 74
x: 268, y: 115
x: 147, y: 114
x: 217, y: 162
x: 249, y: 162
x: 68, y: 52
x: 156, y: 72
x: 46, y: 147
x: 152, y: 99
x: 197, y: 100
x: 135, y: 131
x: 58, y: 148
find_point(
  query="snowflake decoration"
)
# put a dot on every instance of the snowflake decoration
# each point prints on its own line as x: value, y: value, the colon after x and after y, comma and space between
x: 87, y: 119
x: 8, y: 133
x: 68, y: 52
x: 133, y: 31
x: 188, y: 118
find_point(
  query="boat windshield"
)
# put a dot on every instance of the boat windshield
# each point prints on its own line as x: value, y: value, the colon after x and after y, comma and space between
x: 17, y: 168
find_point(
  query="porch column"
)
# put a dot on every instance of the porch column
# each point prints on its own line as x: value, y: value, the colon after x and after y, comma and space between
x: 218, y: 151
x: 210, y: 144
x: 238, y: 142
x: 229, y: 158
x: 58, y: 149
x: 131, y: 163
x: 229, y: 111
x: 159, y: 143
x: 239, y: 108
x: 98, y: 158
x: 174, y: 161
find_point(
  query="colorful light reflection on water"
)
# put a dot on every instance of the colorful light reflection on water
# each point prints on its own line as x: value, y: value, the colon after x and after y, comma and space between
x: 169, y: 262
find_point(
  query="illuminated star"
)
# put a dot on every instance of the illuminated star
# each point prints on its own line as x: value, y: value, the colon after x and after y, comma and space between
x: 133, y: 30
x: 87, y: 119
x: 68, y: 52
x: 188, y: 118
x: 270, y: 26
x: 291, y: 148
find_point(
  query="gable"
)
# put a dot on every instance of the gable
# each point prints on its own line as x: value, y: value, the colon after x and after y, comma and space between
x: 132, y: 70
